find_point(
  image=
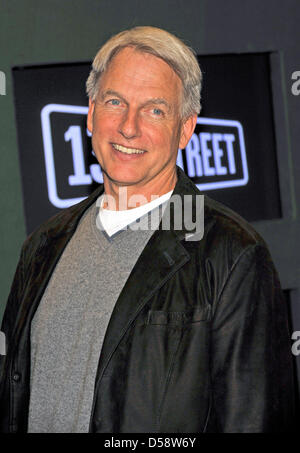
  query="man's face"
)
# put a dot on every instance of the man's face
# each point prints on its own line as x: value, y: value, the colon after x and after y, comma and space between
x: 135, y: 120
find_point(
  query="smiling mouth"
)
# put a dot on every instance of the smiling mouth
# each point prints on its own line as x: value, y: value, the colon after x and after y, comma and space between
x: 125, y: 150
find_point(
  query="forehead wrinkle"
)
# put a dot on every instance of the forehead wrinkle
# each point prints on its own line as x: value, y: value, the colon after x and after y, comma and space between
x: 136, y: 71
x: 133, y: 70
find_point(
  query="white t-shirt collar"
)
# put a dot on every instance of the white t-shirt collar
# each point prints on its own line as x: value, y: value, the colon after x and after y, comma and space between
x: 113, y: 221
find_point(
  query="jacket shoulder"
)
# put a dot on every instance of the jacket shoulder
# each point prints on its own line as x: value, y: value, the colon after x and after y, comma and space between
x: 63, y: 222
x: 225, y: 230
x: 223, y: 227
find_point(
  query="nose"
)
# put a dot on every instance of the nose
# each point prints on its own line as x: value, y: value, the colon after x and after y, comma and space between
x: 129, y: 127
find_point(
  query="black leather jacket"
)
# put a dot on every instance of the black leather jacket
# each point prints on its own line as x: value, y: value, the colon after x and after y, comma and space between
x: 198, y: 340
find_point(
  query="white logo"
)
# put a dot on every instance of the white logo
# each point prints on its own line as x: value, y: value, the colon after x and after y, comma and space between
x: 217, y: 156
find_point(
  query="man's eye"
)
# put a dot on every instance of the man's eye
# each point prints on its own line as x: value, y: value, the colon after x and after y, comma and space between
x: 157, y: 112
x: 114, y: 102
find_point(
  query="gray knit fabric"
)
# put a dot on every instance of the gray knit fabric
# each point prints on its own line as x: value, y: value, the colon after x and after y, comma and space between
x: 69, y: 325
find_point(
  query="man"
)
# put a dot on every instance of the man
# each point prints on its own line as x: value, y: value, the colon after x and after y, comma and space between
x: 113, y: 329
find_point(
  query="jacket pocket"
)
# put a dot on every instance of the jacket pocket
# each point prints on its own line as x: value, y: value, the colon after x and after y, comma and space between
x: 151, y: 367
x: 179, y: 318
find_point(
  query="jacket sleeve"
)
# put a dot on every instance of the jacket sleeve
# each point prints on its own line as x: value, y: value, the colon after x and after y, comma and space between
x: 251, y: 368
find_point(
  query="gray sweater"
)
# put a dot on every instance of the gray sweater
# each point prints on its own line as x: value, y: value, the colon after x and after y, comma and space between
x: 69, y: 325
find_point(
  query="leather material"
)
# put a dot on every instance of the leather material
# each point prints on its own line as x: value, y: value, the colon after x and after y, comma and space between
x: 198, y: 340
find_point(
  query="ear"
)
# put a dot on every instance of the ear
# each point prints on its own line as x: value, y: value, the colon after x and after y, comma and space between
x: 187, y: 130
x: 90, y: 115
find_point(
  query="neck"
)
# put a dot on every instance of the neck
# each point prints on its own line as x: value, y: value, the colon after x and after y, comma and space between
x: 120, y: 197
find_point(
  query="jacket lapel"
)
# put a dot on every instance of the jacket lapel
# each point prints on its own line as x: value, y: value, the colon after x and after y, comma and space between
x: 160, y: 259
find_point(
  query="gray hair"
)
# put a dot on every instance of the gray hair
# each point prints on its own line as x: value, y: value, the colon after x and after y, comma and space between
x: 161, y: 44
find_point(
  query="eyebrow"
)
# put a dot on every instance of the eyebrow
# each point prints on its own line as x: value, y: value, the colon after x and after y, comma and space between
x: 111, y: 93
x: 156, y: 101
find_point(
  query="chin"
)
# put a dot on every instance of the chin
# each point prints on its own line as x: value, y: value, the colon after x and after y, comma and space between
x: 124, y: 177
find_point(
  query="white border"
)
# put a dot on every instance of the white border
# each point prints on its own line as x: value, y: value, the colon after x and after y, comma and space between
x: 48, y: 151
x: 234, y: 182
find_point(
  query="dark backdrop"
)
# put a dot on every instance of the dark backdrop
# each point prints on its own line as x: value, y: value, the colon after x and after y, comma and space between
x: 34, y: 33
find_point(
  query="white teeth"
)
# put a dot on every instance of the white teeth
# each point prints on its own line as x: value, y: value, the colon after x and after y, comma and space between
x: 125, y: 150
